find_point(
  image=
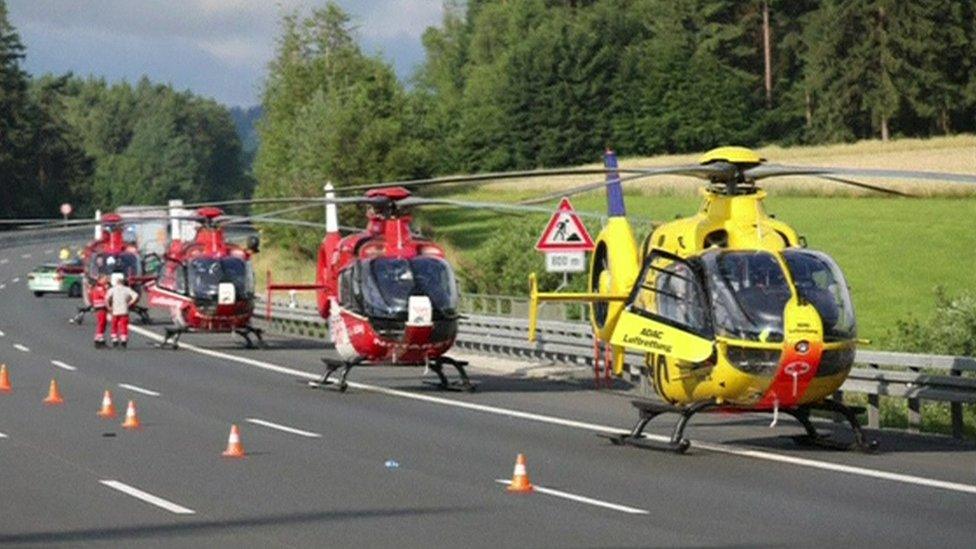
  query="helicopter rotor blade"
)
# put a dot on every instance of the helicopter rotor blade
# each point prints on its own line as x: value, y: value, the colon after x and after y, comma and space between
x: 853, y: 183
x: 779, y: 170
x: 706, y: 171
x: 519, y: 208
x: 486, y: 177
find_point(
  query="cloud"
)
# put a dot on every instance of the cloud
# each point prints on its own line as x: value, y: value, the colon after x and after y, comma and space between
x: 230, y: 40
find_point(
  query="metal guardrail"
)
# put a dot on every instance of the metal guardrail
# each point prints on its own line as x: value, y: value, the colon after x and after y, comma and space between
x: 16, y: 238
x: 912, y: 377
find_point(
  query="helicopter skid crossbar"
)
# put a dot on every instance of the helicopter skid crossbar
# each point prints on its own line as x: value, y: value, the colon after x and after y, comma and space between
x: 649, y: 410
x: 463, y: 385
x: 331, y: 366
x: 814, y: 438
x: 246, y: 332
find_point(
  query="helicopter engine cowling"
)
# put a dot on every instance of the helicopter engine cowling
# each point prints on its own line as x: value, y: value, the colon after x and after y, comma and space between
x: 614, y: 266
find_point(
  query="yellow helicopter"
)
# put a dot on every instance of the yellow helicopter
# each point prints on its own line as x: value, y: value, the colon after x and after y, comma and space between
x: 728, y: 306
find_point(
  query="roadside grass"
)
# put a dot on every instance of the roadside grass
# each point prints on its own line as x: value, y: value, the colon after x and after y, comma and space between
x: 287, y: 267
x: 935, y: 416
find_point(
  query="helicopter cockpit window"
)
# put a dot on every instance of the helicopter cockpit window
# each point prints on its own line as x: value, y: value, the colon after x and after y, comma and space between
x: 749, y: 292
x: 349, y: 290
x: 819, y: 281
x: 206, y: 274
x: 388, y: 284
x: 106, y: 264
x: 670, y: 291
x: 172, y: 277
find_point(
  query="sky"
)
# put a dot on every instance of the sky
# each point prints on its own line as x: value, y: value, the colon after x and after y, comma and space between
x: 216, y: 48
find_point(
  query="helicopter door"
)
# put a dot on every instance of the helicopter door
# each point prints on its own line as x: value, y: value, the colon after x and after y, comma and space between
x: 667, y: 312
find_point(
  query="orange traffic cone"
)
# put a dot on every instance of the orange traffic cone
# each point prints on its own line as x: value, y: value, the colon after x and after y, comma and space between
x: 131, y: 417
x: 53, y: 394
x: 4, y: 380
x: 520, y: 477
x: 108, y: 408
x: 234, y: 447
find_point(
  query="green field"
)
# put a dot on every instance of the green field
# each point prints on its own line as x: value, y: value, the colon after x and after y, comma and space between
x: 894, y: 251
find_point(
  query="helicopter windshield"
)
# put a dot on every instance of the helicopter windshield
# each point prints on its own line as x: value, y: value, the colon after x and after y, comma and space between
x: 206, y: 274
x: 388, y: 284
x: 749, y: 292
x: 106, y: 264
x: 819, y: 281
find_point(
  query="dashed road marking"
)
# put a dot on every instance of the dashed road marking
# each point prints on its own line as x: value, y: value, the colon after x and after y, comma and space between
x: 20, y: 347
x: 3, y: 435
x: 147, y: 497
x: 138, y: 389
x: 16, y: 279
x: 284, y: 428
x: 2, y: 334
x: 48, y: 252
x: 4, y: 261
x: 2, y: 286
x: 25, y: 256
x: 63, y: 366
x: 713, y: 447
x: 583, y: 499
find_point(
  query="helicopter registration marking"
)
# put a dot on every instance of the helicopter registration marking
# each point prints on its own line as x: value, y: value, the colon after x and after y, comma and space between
x: 719, y: 448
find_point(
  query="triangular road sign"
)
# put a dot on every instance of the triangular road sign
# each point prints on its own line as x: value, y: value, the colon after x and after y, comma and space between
x: 565, y: 232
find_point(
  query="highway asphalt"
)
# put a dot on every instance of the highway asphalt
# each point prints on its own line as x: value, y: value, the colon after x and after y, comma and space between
x: 320, y: 467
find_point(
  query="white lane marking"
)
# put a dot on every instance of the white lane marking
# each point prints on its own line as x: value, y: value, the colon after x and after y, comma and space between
x: 582, y: 499
x: 2, y: 334
x: 719, y: 448
x: 3, y: 435
x: 284, y: 428
x: 20, y: 347
x: 16, y: 279
x: 25, y: 256
x: 63, y: 366
x: 4, y: 261
x: 2, y: 286
x: 147, y: 497
x: 48, y: 252
x: 139, y: 389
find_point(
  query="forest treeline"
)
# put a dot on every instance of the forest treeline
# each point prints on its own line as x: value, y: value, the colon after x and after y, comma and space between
x: 530, y: 83
x: 100, y: 145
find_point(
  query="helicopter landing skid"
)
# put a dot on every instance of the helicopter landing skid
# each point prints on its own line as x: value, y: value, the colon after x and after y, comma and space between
x: 648, y: 411
x: 331, y: 366
x: 814, y: 438
x: 463, y: 385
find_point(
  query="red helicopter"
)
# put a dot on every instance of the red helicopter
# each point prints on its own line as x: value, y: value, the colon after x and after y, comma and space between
x: 389, y: 296
x: 109, y: 253
x: 206, y: 284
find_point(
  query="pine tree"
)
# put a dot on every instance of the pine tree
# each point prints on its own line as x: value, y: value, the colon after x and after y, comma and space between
x: 15, y: 130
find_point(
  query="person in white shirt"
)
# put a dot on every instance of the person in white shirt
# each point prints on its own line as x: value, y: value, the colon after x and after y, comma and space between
x: 120, y: 299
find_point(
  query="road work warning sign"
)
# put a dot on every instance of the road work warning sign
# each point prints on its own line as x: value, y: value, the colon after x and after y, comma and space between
x: 565, y: 232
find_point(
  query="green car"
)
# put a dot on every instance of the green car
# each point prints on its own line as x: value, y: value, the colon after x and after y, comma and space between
x: 55, y: 278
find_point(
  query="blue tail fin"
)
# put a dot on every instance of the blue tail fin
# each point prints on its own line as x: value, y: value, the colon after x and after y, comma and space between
x: 615, y: 191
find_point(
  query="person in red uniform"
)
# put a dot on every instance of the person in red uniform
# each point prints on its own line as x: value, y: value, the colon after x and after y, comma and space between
x: 120, y: 299
x: 100, y: 307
